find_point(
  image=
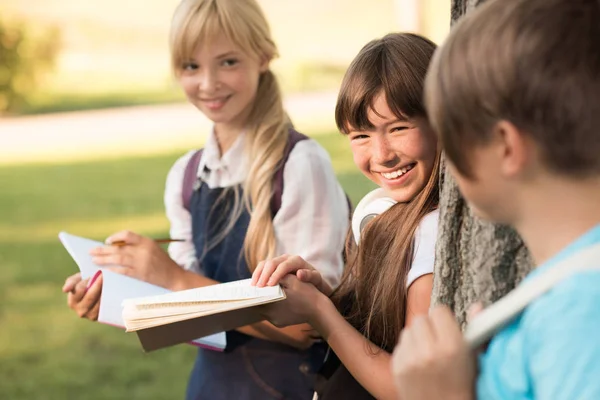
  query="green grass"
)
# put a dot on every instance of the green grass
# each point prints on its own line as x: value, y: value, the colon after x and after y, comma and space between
x: 46, y: 352
x: 50, y: 102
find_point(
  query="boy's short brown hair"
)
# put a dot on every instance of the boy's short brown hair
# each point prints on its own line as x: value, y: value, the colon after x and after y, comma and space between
x: 535, y: 63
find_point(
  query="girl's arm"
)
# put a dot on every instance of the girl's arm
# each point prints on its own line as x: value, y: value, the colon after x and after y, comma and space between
x: 369, y: 364
x: 143, y: 259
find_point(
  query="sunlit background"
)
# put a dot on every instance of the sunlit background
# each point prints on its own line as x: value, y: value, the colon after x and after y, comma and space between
x: 91, y: 121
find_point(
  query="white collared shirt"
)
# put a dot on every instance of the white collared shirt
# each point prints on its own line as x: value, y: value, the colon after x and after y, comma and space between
x: 313, y: 219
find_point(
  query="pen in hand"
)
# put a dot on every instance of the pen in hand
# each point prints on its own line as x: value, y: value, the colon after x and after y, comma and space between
x: 121, y: 243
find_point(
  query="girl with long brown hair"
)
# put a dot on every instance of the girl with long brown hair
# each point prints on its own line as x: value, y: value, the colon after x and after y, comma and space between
x: 388, y: 277
x: 257, y: 189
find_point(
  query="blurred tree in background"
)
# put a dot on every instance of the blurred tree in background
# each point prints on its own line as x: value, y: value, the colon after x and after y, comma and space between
x: 26, y: 54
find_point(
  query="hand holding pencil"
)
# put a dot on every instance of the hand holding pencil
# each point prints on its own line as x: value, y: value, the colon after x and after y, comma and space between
x: 140, y: 257
x: 160, y: 241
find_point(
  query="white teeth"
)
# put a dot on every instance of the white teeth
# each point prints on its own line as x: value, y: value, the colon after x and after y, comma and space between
x: 398, y: 173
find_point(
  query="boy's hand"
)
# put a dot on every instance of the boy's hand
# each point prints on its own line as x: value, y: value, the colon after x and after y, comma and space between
x: 141, y: 258
x: 271, y: 272
x: 81, y: 299
x: 432, y: 360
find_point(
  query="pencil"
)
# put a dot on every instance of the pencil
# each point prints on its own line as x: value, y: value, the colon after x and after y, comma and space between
x: 166, y: 240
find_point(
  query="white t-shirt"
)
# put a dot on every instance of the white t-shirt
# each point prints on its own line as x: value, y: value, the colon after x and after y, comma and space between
x: 377, y: 202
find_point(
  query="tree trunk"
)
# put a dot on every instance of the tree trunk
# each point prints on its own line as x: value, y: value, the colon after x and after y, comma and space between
x: 475, y: 260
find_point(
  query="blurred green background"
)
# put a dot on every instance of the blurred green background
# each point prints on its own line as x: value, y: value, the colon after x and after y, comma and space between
x: 65, y: 165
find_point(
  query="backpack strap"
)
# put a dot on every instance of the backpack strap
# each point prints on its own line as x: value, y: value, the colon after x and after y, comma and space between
x: 189, y: 178
x: 293, y: 139
x: 496, y: 316
x: 191, y: 171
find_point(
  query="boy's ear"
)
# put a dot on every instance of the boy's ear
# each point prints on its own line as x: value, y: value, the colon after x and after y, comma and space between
x: 514, y: 148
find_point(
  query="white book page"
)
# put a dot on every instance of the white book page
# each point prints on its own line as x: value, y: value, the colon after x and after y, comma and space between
x: 117, y: 288
x: 79, y: 248
x: 231, y: 291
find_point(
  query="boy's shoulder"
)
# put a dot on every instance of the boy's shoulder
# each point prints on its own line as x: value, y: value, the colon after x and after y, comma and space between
x: 571, y: 302
x: 552, y: 348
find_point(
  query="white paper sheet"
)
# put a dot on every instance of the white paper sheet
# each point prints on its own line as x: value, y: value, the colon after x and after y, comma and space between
x: 117, y: 288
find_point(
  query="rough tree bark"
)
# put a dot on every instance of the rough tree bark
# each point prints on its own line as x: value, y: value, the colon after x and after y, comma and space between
x: 475, y: 260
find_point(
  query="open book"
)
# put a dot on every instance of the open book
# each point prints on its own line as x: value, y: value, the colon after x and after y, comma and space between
x: 179, y: 316
x: 117, y: 288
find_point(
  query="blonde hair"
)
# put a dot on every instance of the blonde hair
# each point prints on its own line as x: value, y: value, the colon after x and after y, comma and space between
x: 267, y: 127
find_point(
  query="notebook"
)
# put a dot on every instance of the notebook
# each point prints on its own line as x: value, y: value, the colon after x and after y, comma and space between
x: 117, y: 288
x: 174, y: 317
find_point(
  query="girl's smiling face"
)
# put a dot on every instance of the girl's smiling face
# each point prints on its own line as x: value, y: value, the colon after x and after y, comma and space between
x: 395, y: 154
x: 221, y: 81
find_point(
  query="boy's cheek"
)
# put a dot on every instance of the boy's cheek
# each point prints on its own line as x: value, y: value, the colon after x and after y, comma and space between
x: 467, y: 190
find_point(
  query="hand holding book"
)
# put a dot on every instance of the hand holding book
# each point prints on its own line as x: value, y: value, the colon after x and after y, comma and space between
x: 175, y: 317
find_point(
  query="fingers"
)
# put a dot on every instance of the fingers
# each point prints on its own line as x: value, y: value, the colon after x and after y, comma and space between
x: 71, y: 282
x: 257, y: 273
x: 76, y: 294
x: 125, y: 236
x: 287, y: 281
x: 473, y: 310
x: 85, y: 301
x: 113, y: 255
x: 290, y: 266
x: 310, y: 276
x: 472, y: 313
x: 444, y: 325
x: 404, y: 342
x: 268, y: 268
x: 422, y: 328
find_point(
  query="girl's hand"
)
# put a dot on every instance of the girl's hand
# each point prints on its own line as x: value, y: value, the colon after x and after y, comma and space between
x: 271, y: 272
x: 81, y: 299
x: 432, y: 360
x: 300, y: 306
x: 141, y: 258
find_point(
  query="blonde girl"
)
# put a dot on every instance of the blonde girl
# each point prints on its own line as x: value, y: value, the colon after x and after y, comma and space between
x: 257, y: 189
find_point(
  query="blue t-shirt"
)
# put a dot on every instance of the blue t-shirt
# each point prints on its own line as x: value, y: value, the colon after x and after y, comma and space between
x: 552, y: 351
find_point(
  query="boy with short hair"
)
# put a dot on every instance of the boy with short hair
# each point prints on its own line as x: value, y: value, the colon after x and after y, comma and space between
x: 514, y: 95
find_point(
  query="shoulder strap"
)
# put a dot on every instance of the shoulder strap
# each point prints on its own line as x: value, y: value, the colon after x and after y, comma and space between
x: 293, y: 139
x: 191, y: 170
x: 493, y: 318
x: 189, y: 178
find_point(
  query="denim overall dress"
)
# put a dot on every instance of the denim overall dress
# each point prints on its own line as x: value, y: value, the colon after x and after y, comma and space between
x: 249, y: 368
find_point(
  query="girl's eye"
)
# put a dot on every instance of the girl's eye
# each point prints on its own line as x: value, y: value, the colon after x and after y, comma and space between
x: 359, y: 137
x: 230, y: 62
x: 189, y: 66
x: 399, y: 128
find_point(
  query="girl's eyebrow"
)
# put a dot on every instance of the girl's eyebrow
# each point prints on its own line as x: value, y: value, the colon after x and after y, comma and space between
x: 396, y: 121
x: 227, y: 54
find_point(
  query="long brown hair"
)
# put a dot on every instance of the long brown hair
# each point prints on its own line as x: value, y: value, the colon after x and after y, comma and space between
x: 244, y: 23
x: 372, y: 294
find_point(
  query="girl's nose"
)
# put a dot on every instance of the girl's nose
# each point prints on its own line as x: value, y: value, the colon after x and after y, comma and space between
x: 382, y: 153
x: 208, y: 82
